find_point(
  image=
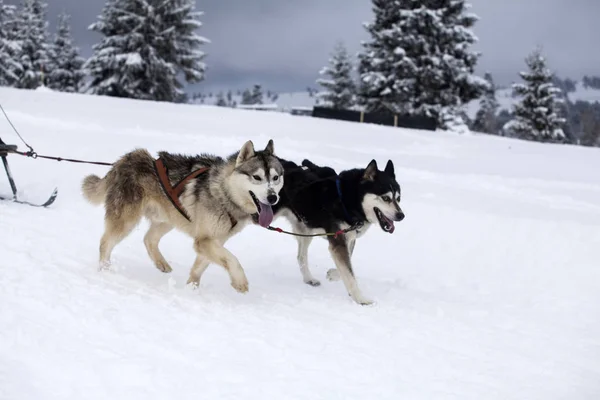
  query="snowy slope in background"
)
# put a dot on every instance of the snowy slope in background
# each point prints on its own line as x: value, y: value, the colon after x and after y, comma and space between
x: 287, y: 101
x: 490, y: 288
x: 284, y: 101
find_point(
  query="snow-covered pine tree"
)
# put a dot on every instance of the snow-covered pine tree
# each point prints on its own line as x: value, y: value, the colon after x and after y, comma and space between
x: 146, y: 44
x: 385, y: 71
x: 246, y: 97
x: 536, y: 116
x: 9, y: 46
x: 67, y: 74
x: 486, y: 117
x: 419, y: 60
x: 447, y: 73
x: 181, y: 21
x: 33, y: 55
x: 340, y: 89
x: 116, y: 67
x: 256, y: 97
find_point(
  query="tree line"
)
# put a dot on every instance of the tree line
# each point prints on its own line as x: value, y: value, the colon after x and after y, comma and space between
x: 148, y: 48
x: 417, y: 61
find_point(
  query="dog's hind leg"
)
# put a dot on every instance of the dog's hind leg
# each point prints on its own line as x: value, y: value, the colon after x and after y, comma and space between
x: 303, y: 244
x: 200, y: 265
x: 215, y: 252
x: 156, y: 231
x: 341, y: 256
x: 115, y: 230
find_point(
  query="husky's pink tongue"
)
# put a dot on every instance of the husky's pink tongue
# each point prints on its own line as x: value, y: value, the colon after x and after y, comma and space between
x: 390, y: 224
x: 265, y: 217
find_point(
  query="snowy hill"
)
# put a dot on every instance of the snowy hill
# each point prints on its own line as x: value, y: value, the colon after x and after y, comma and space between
x: 489, y: 289
x: 284, y: 101
x: 287, y: 101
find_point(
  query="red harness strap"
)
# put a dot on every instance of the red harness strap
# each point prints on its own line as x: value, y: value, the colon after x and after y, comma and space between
x: 173, y: 193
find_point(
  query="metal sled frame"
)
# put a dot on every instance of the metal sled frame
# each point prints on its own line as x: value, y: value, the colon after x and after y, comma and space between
x: 5, y: 149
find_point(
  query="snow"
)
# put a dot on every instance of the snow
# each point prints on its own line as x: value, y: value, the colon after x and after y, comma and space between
x: 489, y: 289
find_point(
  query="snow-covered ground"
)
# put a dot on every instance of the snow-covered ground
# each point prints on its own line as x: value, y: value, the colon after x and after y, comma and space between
x: 489, y: 289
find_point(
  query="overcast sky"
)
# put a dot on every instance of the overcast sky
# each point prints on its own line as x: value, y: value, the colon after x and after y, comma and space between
x: 284, y: 43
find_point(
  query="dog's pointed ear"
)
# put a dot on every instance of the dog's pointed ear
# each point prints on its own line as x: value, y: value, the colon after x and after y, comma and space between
x: 370, y: 171
x: 389, y: 169
x: 270, y: 149
x: 246, y: 153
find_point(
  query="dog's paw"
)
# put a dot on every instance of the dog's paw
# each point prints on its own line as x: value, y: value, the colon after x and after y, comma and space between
x: 240, y: 285
x: 333, y: 275
x: 366, y: 302
x: 193, y: 283
x: 104, y: 266
x: 163, y: 266
x: 312, y: 282
x: 363, y: 301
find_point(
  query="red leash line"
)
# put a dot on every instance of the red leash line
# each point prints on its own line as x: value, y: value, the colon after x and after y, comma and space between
x: 335, y: 235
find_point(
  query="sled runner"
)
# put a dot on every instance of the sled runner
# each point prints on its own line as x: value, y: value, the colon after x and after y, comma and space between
x: 5, y: 149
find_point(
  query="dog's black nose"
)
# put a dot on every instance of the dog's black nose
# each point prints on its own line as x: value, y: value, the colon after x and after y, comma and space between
x: 399, y: 216
x: 272, y: 199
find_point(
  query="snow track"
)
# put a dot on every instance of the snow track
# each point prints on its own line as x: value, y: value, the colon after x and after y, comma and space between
x: 490, y: 289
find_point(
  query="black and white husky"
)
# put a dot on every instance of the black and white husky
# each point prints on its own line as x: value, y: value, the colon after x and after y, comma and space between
x: 316, y: 199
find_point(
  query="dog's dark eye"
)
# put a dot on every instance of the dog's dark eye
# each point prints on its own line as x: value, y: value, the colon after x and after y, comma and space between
x: 386, y: 199
x: 276, y: 178
x: 258, y: 178
x: 398, y: 199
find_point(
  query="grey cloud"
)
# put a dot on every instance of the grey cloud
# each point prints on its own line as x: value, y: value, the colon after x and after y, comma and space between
x: 284, y: 43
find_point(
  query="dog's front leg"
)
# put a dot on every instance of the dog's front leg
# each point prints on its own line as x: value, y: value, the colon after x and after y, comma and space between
x: 333, y: 274
x: 215, y: 252
x: 338, y: 247
x: 303, y: 244
x: 351, y: 244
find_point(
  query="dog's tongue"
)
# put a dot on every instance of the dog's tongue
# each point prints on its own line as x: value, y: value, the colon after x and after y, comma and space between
x: 265, y: 216
x: 389, y: 224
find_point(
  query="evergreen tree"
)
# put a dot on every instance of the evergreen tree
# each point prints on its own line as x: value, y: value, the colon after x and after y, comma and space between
x: 486, y: 117
x: 33, y: 55
x: 418, y: 60
x: 339, y: 86
x: 67, y: 74
x: 146, y: 44
x: 536, y: 116
x: 10, y: 46
x: 182, y: 21
x: 591, y: 82
x: 246, y: 97
x: 383, y: 61
x: 503, y: 117
x: 256, y: 97
x: 221, y: 100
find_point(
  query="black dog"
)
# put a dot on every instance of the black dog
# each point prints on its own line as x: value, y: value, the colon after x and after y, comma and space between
x: 316, y: 199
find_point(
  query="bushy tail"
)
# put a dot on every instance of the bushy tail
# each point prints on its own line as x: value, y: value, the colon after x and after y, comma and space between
x: 94, y: 189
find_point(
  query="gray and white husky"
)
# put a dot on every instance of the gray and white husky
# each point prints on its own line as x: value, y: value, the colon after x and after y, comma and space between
x: 208, y: 197
x: 317, y: 200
